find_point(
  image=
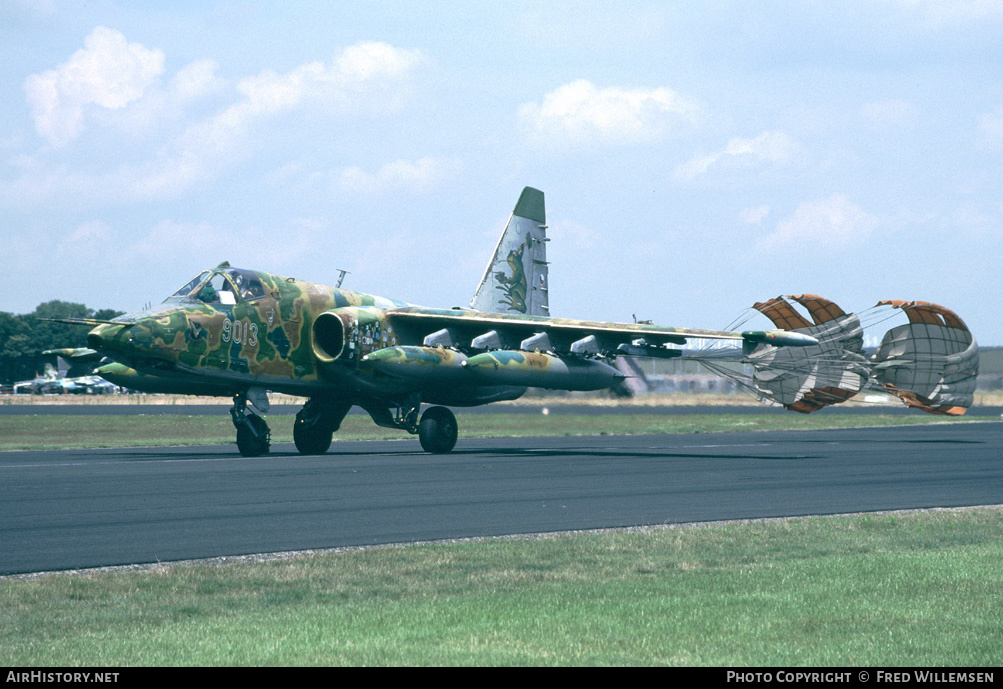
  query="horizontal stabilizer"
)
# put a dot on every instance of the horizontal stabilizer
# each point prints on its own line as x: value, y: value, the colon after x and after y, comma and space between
x: 75, y: 354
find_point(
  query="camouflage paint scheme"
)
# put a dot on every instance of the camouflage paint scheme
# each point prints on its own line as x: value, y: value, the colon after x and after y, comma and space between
x: 543, y: 370
x: 309, y: 339
x: 419, y: 363
x: 259, y: 341
x: 240, y: 333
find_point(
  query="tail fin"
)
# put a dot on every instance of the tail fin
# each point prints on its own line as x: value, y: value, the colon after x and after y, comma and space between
x: 515, y: 280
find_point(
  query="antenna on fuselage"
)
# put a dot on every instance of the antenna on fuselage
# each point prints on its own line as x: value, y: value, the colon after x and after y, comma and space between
x: 341, y: 276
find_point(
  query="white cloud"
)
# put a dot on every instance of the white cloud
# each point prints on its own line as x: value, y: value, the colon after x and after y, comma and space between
x: 361, y: 76
x: 89, y: 231
x: 771, y: 147
x: 161, y: 108
x: 195, y: 80
x: 86, y: 242
x: 754, y: 216
x: 581, y: 113
x: 419, y: 175
x: 361, y: 67
x: 108, y: 72
x: 833, y: 222
x: 371, y: 60
x: 364, y: 78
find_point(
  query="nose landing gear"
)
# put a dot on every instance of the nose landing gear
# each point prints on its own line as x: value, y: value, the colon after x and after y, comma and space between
x: 253, y: 435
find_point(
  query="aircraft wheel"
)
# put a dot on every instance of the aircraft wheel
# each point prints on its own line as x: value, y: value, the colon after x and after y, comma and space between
x: 312, y: 440
x: 253, y: 438
x: 437, y: 430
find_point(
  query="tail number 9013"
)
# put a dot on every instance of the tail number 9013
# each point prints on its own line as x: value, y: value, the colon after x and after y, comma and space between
x: 241, y: 332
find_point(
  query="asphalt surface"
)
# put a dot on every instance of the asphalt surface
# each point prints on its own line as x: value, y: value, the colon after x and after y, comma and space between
x: 86, y: 508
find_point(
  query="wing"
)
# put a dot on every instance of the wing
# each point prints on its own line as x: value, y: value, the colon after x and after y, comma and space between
x: 478, y: 330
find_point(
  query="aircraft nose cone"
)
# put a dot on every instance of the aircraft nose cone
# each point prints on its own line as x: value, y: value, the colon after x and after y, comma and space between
x: 130, y: 338
x: 144, y: 338
x: 114, y: 338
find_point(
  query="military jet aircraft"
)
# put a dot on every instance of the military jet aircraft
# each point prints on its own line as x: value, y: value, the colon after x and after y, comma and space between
x: 64, y: 378
x: 238, y: 333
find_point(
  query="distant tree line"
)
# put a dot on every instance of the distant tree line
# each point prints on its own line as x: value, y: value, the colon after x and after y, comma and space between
x: 24, y: 338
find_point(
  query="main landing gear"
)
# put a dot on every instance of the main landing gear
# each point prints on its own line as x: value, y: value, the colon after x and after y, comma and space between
x: 253, y: 435
x: 437, y: 430
x: 316, y: 423
x: 320, y: 417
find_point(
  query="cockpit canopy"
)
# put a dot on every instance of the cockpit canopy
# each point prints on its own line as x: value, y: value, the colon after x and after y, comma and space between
x: 222, y: 286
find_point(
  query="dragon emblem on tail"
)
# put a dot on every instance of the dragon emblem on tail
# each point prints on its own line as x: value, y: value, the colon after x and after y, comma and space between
x: 514, y: 287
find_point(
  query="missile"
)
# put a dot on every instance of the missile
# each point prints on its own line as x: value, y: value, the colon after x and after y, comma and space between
x: 436, y: 364
x: 533, y: 369
x: 779, y: 338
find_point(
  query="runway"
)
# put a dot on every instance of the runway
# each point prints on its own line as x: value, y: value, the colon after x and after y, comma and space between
x: 86, y: 508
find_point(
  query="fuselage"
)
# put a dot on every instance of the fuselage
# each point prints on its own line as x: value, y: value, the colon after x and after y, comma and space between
x: 228, y: 329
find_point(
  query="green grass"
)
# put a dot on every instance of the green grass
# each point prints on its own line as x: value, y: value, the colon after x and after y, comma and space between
x: 55, y: 432
x: 908, y: 589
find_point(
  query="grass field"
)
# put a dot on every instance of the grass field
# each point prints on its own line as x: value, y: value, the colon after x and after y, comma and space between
x: 874, y: 590
x: 55, y: 432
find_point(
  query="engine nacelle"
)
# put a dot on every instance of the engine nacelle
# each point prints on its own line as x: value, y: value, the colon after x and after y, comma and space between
x: 344, y: 335
x: 332, y: 331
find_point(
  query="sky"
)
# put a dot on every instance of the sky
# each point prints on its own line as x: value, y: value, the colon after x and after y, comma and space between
x: 696, y: 157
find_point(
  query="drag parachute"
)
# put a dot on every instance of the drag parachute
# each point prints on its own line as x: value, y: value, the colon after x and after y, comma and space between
x: 931, y: 363
x: 805, y: 379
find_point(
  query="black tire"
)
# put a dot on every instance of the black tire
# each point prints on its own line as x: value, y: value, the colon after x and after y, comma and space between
x: 312, y: 440
x: 254, y: 443
x: 437, y: 430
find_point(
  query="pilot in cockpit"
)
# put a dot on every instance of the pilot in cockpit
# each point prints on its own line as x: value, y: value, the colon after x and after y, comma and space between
x: 207, y: 294
x: 217, y: 291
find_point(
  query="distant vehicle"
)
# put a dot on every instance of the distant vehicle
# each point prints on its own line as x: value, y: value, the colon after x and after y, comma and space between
x: 55, y: 381
x: 47, y: 383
